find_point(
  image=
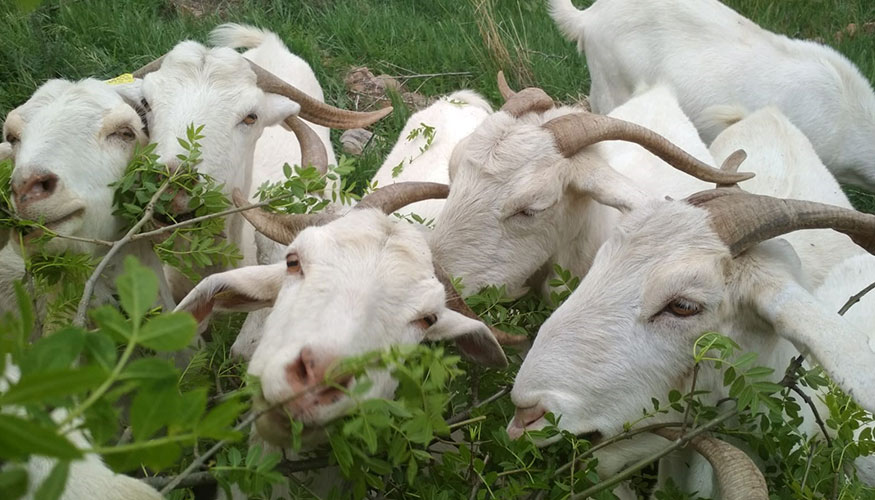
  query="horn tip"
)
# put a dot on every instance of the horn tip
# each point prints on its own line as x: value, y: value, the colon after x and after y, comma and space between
x: 239, y: 199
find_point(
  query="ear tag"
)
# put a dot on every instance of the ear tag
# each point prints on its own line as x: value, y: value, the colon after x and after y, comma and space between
x: 120, y: 80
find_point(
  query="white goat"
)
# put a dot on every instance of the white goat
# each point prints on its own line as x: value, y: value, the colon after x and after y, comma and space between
x: 88, y: 477
x: 675, y: 269
x: 712, y: 56
x: 518, y: 204
x: 325, y: 308
x: 69, y: 142
x: 236, y: 100
x: 422, y: 158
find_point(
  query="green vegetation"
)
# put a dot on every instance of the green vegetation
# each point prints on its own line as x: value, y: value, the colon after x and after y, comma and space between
x: 151, y: 417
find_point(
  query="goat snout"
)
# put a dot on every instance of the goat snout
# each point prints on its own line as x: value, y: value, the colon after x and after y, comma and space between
x: 522, y: 418
x: 34, y: 188
x: 306, y: 377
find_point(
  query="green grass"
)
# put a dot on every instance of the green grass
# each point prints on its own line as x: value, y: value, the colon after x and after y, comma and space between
x: 103, y: 38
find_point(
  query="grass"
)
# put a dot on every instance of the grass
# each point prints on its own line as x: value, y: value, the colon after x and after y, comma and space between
x: 102, y: 38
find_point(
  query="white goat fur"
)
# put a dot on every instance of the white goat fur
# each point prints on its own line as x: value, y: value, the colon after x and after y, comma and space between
x: 88, y: 477
x: 365, y: 282
x: 453, y: 117
x: 712, y: 56
x: 509, y: 165
x: 70, y: 129
x: 614, y: 335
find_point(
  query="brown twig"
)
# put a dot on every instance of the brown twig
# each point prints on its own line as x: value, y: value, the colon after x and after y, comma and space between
x: 79, y: 319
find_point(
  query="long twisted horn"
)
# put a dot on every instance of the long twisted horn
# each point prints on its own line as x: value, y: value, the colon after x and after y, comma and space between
x: 312, y: 110
x: 737, y: 476
x: 312, y: 149
x: 744, y: 219
x: 576, y: 131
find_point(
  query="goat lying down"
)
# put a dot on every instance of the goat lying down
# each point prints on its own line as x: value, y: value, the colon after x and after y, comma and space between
x: 671, y: 270
x: 721, y: 65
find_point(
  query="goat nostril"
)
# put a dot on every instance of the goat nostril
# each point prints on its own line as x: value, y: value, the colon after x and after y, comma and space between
x: 35, y: 188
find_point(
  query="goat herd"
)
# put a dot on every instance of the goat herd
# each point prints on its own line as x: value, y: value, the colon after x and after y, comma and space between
x: 668, y: 244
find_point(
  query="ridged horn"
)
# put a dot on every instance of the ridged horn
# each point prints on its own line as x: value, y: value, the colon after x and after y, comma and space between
x: 528, y: 100
x: 744, y: 219
x: 576, y: 131
x: 312, y: 110
x: 393, y: 197
x: 281, y: 228
x: 737, y: 476
x: 312, y: 149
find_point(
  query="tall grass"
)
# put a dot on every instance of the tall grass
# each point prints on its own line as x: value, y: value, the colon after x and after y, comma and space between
x: 102, y: 38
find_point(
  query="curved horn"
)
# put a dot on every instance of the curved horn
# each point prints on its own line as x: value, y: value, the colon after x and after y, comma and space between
x: 457, y: 303
x: 527, y: 100
x: 744, y: 219
x: 503, y: 88
x: 149, y: 68
x: 314, y: 110
x: 731, y: 164
x: 737, y: 476
x: 281, y: 228
x: 576, y: 131
x: 312, y: 150
x: 395, y: 196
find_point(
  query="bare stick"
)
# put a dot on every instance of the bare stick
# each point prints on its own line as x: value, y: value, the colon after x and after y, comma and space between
x: 464, y: 414
x: 79, y: 320
x: 431, y: 75
x: 637, y: 466
x: 855, y: 298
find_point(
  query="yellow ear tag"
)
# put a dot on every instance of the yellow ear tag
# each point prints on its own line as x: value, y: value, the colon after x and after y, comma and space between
x: 121, y: 79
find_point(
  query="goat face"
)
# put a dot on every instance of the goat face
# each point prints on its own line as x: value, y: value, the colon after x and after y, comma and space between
x: 69, y: 142
x: 507, y: 204
x: 358, y: 284
x: 661, y: 280
x: 217, y: 89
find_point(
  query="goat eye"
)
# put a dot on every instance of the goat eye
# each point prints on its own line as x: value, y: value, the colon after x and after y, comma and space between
x: 126, y: 133
x: 528, y: 212
x: 250, y: 118
x: 11, y: 139
x: 683, y: 308
x: 293, y: 263
x: 426, y: 322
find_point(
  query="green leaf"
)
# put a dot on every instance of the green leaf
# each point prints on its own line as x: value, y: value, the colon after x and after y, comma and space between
x: 13, y: 483
x: 53, y: 485
x: 151, y: 409
x: 42, y: 386
x: 154, y: 456
x: 112, y: 323
x: 412, y: 467
x: 20, y: 438
x: 25, y: 309
x: 54, y: 352
x: 168, y: 332
x: 137, y: 289
x: 217, y: 424
x: 192, y: 405
x: 100, y: 349
x: 150, y: 369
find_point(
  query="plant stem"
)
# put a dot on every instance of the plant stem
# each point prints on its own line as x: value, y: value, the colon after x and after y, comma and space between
x: 143, y: 444
x: 100, y: 391
x: 469, y: 421
x: 79, y: 320
x: 464, y: 414
x: 855, y: 298
x: 632, y: 469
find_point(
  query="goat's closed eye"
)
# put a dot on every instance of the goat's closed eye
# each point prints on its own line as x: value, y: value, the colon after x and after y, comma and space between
x: 125, y: 133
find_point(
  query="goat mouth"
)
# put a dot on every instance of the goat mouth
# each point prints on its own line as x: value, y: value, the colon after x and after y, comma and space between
x: 55, y: 223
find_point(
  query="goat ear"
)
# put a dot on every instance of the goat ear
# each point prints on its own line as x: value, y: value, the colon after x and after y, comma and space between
x: 842, y: 349
x: 472, y: 337
x: 590, y: 175
x: 276, y: 108
x: 131, y: 93
x: 245, y: 289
